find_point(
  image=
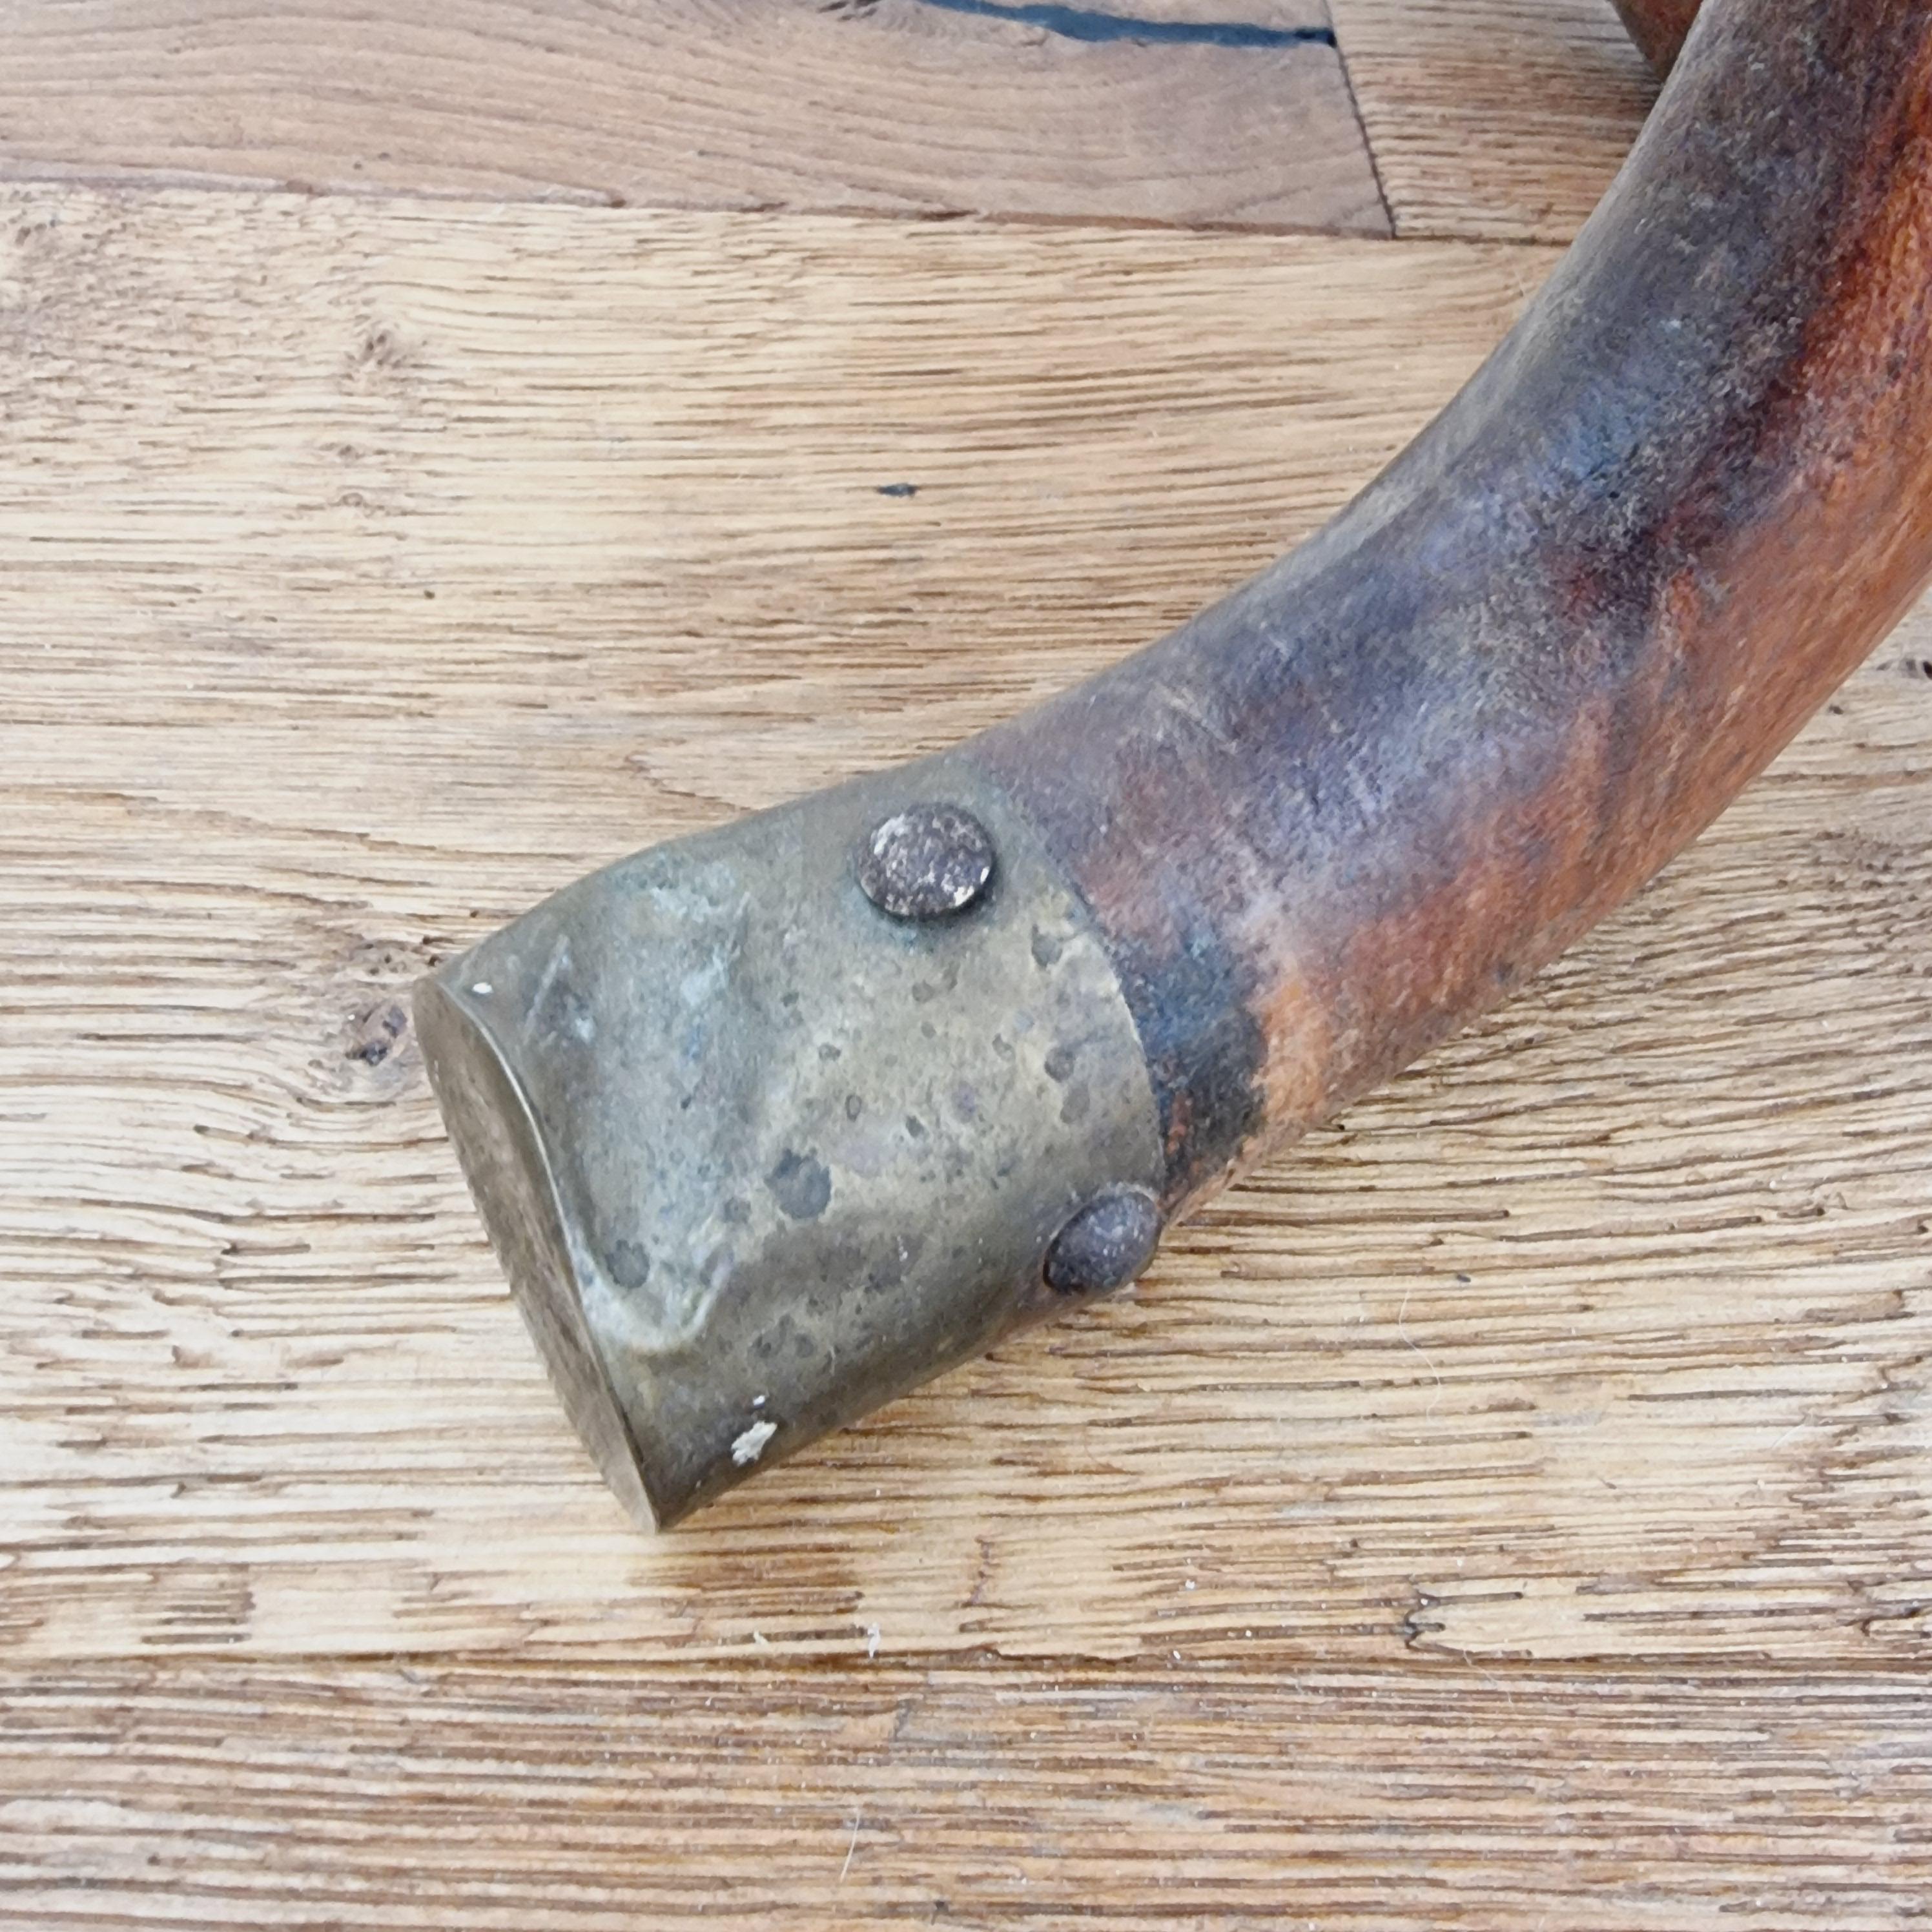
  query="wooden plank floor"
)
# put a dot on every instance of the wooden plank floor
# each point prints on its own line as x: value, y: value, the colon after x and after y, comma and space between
x: 928, y: 107
x: 1510, y: 1509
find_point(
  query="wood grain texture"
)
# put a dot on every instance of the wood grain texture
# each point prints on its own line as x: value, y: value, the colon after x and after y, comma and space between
x: 368, y: 570
x: 475, y: 1800
x: 1504, y: 119
x: 918, y: 107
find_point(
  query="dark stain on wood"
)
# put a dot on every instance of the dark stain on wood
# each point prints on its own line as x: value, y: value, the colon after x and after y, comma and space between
x: 1373, y: 791
x: 1083, y: 23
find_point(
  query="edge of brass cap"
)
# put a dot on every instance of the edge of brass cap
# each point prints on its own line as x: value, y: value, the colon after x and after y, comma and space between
x: 758, y: 1156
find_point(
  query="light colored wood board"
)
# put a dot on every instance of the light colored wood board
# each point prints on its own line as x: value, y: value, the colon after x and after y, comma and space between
x: 367, y: 571
x: 1500, y: 118
x: 901, y: 107
x: 563, y: 1801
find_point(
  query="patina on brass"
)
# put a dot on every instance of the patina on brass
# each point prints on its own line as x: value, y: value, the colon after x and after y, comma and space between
x: 759, y: 1153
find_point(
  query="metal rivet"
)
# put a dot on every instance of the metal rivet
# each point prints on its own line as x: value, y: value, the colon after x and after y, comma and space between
x: 1106, y: 1244
x: 926, y: 862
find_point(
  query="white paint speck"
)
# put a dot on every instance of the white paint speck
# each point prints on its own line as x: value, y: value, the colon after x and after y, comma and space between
x: 872, y: 1636
x: 482, y: 989
x: 748, y: 1446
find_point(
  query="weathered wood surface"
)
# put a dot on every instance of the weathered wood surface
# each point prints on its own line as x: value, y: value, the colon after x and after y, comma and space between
x: 1502, y: 119
x: 579, y: 1800
x: 368, y: 570
x: 364, y: 572
x: 903, y: 107
x: 1491, y: 118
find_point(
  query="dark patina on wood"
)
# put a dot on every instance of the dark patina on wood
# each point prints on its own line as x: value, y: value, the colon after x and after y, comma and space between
x: 768, y: 1128
x: 1377, y: 787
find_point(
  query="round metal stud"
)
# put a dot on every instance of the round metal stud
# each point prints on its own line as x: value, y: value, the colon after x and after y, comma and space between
x: 1106, y: 1243
x: 926, y: 862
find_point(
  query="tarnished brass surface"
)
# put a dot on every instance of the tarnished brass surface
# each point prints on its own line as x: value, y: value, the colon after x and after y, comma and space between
x: 757, y: 1154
